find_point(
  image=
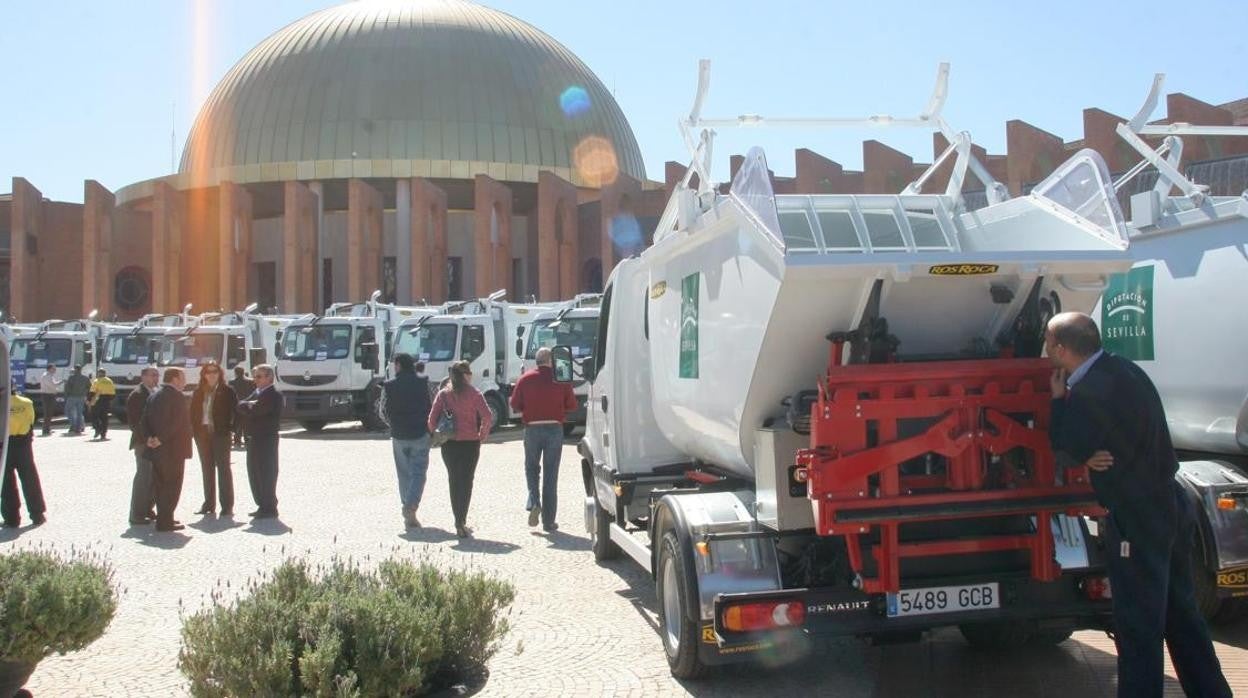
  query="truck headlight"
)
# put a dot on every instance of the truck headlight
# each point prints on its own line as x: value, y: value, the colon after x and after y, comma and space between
x: 336, y: 400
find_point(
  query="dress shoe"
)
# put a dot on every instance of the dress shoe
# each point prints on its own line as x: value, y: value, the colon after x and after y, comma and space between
x: 534, y: 515
x: 175, y: 526
x: 551, y: 528
x: 463, y: 532
x: 409, y: 517
x: 206, y: 511
x: 265, y: 515
x: 39, y: 520
x: 140, y: 522
x: 12, y: 524
x: 226, y: 513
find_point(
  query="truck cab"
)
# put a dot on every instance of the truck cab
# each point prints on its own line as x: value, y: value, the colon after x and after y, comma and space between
x: 129, y: 349
x: 480, y: 332
x: 330, y: 367
x: 575, y: 325
x: 60, y: 343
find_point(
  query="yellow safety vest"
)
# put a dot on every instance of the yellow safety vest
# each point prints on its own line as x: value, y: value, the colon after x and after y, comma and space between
x: 103, y: 386
x: 21, y: 415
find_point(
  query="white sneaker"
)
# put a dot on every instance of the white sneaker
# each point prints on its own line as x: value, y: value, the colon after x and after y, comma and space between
x: 535, y: 514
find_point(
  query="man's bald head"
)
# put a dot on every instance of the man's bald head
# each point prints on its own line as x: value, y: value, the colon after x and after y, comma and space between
x: 543, y: 357
x: 1070, y: 338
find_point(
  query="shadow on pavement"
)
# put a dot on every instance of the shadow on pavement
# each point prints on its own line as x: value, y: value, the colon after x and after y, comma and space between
x: 11, y: 534
x: 268, y: 527
x: 564, y: 541
x: 216, y: 524
x: 427, y: 534
x: 484, y: 546
x: 1235, y: 635
x: 165, y: 540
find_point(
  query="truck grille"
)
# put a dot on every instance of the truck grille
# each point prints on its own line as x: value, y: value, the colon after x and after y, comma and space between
x: 305, y: 381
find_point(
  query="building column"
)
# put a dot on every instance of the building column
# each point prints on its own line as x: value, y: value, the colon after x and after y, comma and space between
x: 234, y: 236
x: 97, y: 240
x: 201, y: 250
x: 558, y: 251
x: 364, y: 220
x: 318, y: 188
x: 297, y: 291
x: 167, y: 218
x: 428, y: 252
x: 492, y: 203
x: 25, y: 217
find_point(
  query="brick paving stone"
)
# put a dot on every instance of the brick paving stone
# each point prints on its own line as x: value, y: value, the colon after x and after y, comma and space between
x: 579, y: 628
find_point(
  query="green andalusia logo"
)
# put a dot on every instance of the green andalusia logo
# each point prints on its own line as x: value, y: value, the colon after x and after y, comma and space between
x: 1127, y: 314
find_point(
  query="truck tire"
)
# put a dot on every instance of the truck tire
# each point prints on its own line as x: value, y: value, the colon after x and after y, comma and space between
x: 498, y: 410
x: 1051, y: 636
x: 678, y: 622
x: 997, y: 635
x: 600, y: 538
x: 372, y: 419
x: 313, y: 426
x: 1204, y: 586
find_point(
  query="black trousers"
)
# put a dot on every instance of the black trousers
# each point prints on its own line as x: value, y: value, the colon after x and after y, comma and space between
x: 167, y: 474
x: 262, y: 470
x: 20, y: 464
x: 461, y: 459
x: 214, y: 465
x: 1151, y: 578
x: 49, y: 406
x: 100, y: 414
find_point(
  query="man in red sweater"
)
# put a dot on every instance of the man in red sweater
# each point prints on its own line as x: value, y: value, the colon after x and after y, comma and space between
x: 543, y: 404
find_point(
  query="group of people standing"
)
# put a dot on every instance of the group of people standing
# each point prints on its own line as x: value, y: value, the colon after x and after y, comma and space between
x: 460, y: 417
x: 84, y: 397
x: 164, y: 423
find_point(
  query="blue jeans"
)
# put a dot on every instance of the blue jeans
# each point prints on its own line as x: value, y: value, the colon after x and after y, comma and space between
x: 543, y: 446
x: 411, y: 462
x: 75, y: 412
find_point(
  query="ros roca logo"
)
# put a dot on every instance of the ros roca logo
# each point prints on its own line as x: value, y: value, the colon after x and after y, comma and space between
x: 1127, y: 314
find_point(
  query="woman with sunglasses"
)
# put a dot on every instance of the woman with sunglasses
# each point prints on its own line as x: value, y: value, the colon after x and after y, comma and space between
x: 212, y: 419
x: 460, y: 454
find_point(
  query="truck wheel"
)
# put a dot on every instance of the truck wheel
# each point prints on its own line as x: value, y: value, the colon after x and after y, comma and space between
x: 678, y: 622
x: 498, y: 411
x: 1204, y: 585
x: 372, y: 420
x: 312, y: 425
x: 600, y: 538
x: 999, y: 635
x: 1051, y: 636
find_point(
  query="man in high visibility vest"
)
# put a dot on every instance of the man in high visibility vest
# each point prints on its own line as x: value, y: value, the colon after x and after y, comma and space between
x: 20, y: 463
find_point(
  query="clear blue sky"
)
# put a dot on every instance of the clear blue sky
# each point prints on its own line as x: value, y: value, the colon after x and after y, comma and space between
x: 90, y: 86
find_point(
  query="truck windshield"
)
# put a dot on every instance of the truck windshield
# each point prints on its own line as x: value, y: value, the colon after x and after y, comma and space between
x: 427, y: 342
x: 42, y: 352
x: 316, y: 343
x: 142, y: 348
x: 195, y: 349
x: 581, y: 334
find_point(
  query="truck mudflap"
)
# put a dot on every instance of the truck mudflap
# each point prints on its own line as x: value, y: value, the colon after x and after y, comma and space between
x: 848, y: 612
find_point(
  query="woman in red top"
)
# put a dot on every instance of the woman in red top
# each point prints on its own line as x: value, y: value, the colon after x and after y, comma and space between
x: 461, y: 452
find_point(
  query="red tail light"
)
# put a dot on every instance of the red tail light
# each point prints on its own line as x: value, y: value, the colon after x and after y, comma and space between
x: 763, y: 615
x: 1097, y: 588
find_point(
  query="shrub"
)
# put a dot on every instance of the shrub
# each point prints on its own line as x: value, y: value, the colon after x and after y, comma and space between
x: 53, y: 603
x: 336, y: 630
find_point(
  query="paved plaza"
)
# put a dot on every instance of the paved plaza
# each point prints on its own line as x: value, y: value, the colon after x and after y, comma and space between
x: 579, y: 628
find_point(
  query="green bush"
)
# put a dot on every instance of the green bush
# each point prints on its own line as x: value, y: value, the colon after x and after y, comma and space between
x: 336, y: 630
x: 53, y: 603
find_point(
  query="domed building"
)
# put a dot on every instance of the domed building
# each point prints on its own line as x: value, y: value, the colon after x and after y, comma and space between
x: 433, y: 149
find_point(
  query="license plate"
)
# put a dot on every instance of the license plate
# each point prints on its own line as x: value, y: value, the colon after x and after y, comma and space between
x: 921, y: 602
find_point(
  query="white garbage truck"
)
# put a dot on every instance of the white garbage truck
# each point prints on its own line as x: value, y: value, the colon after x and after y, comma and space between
x: 826, y: 414
x: 1180, y: 314
x: 60, y: 343
x: 574, y: 325
x: 148, y: 342
x: 480, y: 332
x: 330, y: 367
x: 228, y: 339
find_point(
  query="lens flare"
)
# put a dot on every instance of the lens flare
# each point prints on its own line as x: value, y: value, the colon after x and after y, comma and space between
x: 595, y: 161
x: 626, y: 234
x: 574, y: 101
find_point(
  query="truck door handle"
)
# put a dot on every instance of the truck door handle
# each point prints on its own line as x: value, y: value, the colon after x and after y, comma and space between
x: 604, y: 403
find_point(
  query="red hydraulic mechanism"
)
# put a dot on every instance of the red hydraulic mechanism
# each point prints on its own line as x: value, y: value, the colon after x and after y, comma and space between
x: 900, y: 443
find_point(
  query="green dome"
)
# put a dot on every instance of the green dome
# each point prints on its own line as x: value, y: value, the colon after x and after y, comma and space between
x: 433, y: 87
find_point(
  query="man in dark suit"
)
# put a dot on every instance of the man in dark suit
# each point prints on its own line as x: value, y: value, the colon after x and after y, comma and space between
x: 263, y: 413
x: 167, y: 424
x: 1107, y: 414
x: 142, y: 493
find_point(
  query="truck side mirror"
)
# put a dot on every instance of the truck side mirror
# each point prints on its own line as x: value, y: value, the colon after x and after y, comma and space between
x: 368, y: 356
x: 589, y: 368
x: 519, y: 347
x: 519, y: 331
x: 561, y: 357
x: 258, y: 356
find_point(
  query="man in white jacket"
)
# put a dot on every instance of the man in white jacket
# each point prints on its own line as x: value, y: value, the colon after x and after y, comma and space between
x: 49, y: 385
